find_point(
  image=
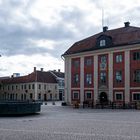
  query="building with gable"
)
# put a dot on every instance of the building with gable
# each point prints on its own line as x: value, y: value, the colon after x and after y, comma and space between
x: 104, y: 67
x: 39, y: 85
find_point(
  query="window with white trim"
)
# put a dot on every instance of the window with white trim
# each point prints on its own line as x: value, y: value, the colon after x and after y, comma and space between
x: 88, y: 95
x: 103, y: 77
x: 103, y: 59
x: 102, y: 43
x: 76, y: 78
x: 118, y: 58
x: 88, y: 79
x: 137, y: 76
x: 118, y: 96
x: 88, y: 61
x: 136, y: 55
x: 76, y: 63
x: 136, y: 97
x: 75, y: 95
x: 118, y: 76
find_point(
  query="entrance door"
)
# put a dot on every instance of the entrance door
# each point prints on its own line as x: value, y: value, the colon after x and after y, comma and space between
x: 103, y: 98
x: 45, y: 98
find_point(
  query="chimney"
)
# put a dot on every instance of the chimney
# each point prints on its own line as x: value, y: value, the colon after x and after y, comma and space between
x: 105, y: 28
x: 126, y: 24
x: 34, y: 69
x: 58, y: 70
x: 41, y: 69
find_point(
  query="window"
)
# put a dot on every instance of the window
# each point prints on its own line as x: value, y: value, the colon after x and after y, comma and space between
x: 29, y: 86
x: 21, y: 86
x: 24, y: 96
x: 102, y: 43
x: 118, y: 76
x: 137, y: 76
x: 44, y: 87
x: 119, y: 96
x: 136, y: 56
x: 24, y: 86
x: 76, y: 63
x: 21, y: 96
x: 75, y: 95
x: 76, y: 78
x: 103, y: 77
x: 88, y: 95
x: 39, y: 96
x: 136, y: 96
x: 88, y: 62
x: 33, y: 86
x: 103, y: 59
x: 88, y: 79
x: 12, y: 87
x: 31, y: 96
x: 118, y: 58
x: 39, y: 86
x: 55, y: 96
x: 103, y: 66
x: 16, y: 96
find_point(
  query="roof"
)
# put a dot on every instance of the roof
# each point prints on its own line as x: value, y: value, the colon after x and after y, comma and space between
x: 120, y: 36
x: 58, y: 74
x: 37, y: 76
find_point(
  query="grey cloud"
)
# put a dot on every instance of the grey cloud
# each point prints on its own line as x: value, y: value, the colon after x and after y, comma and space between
x: 15, y: 38
x: 77, y: 18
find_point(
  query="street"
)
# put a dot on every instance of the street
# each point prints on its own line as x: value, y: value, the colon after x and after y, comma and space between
x: 56, y: 122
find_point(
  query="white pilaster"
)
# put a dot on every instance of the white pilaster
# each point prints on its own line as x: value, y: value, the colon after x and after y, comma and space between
x: 68, y: 80
x: 110, y: 74
x: 127, y: 76
x: 95, y: 78
x: 36, y: 94
x: 82, y: 80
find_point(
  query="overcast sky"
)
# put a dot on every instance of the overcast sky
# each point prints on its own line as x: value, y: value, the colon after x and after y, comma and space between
x: 35, y: 33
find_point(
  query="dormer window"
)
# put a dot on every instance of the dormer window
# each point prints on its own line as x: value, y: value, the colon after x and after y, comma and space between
x: 102, y: 43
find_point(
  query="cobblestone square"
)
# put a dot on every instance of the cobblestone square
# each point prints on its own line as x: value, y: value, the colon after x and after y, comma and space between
x: 56, y: 122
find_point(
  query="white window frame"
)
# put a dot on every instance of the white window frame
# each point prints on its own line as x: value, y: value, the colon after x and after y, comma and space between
x: 118, y: 93
x: 88, y: 79
x: 133, y: 94
x: 102, y: 43
x: 73, y: 92
x: 86, y: 95
x: 118, y: 76
x: 119, y: 58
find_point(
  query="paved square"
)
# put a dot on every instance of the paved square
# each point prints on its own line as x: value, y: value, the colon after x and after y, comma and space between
x: 65, y: 123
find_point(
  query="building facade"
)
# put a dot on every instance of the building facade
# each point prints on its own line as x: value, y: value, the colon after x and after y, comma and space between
x: 59, y: 76
x: 39, y: 85
x: 104, y: 67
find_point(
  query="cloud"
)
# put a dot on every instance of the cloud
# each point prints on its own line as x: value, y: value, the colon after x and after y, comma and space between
x: 33, y: 33
x: 15, y: 37
x: 24, y: 64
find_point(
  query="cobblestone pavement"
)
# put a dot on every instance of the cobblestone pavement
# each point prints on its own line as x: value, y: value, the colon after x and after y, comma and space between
x: 65, y: 123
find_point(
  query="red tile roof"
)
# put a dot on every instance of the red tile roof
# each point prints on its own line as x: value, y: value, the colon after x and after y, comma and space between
x: 38, y: 76
x: 120, y: 36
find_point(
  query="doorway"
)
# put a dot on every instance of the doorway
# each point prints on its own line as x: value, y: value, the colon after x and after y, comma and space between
x: 45, y: 97
x: 103, y: 98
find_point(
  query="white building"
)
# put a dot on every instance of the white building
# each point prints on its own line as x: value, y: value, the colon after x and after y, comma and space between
x: 39, y: 85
